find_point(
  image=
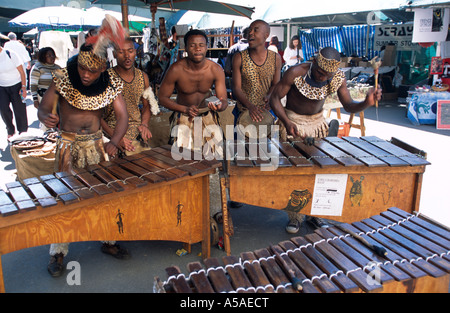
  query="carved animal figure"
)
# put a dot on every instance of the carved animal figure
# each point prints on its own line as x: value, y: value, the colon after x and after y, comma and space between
x: 356, y: 192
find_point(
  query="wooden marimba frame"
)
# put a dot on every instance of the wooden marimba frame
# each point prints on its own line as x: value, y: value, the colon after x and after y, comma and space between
x: 147, y: 196
x: 381, y: 174
x: 332, y: 260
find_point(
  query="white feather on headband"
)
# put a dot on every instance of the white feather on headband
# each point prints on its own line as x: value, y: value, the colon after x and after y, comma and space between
x: 150, y: 96
x: 110, y: 32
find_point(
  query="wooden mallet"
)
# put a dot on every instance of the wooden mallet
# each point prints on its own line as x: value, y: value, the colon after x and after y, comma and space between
x: 375, y: 63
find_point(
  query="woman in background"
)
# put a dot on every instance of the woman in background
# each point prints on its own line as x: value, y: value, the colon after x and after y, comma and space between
x: 41, y: 74
x: 293, y: 54
x: 274, y: 43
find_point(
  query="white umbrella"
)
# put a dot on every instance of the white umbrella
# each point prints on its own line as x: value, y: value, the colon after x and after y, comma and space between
x: 56, y: 17
x: 99, y: 13
x: 203, y: 20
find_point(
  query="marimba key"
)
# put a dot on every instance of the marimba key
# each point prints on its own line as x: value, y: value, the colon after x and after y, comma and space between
x: 395, y: 150
x: 391, y: 269
x: 150, y: 173
x: 194, y: 159
x: 255, y: 272
x: 374, y: 150
x: 20, y: 196
x: 352, y: 254
x: 404, y: 251
x: 235, y: 149
x: 125, y: 176
x: 412, y: 269
x: 361, y: 155
x: 313, y: 268
x: 421, y: 246
x: 58, y: 189
x: 242, y: 157
x: 439, y: 240
x: 217, y: 276
x: 199, y: 278
x: 292, y: 154
x: 444, y: 233
x: 338, y: 278
x: 7, y: 207
x: 92, y: 182
x: 40, y: 193
x: 166, y: 167
x: 358, y: 276
x: 106, y: 177
x: 190, y: 166
x: 307, y: 286
x: 178, y: 282
x: 336, y: 154
x: 273, y: 271
x: 201, y: 161
x: 75, y: 185
x: 331, y: 259
x: 238, y: 278
x: 256, y: 153
x: 274, y: 153
x: 316, y: 155
x: 157, y: 167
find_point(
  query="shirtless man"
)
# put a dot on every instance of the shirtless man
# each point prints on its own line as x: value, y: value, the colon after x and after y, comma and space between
x: 82, y: 90
x: 82, y: 116
x: 256, y: 71
x: 307, y: 86
x: 193, y: 78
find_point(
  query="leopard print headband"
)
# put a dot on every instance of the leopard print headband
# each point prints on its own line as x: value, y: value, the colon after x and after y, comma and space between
x: 90, y: 60
x: 328, y: 65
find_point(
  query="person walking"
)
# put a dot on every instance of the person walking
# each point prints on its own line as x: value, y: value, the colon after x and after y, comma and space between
x: 12, y: 88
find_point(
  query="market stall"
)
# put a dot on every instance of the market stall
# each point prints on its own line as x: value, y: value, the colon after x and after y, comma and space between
x: 34, y: 155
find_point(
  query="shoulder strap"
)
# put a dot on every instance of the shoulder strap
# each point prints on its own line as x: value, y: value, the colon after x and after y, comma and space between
x: 8, y: 53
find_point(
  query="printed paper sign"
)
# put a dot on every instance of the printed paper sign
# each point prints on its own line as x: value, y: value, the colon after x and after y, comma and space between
x: 329, y: 192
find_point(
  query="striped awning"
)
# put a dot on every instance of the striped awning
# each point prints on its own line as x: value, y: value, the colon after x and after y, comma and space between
x: 349, y: 40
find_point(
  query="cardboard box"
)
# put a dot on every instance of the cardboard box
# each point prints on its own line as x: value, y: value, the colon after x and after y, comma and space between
x: 345, y: 62
x: 344, y: 129
x: 390, y: 56
x: 355, y: 61
x: 389, y: 96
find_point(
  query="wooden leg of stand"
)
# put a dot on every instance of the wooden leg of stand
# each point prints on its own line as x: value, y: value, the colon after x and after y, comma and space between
x: 2, y: 283
x: 361, y: 123
x: 187, y: 247
x: 350, y: 120
x: 206, y: 243
x: 225, y: 216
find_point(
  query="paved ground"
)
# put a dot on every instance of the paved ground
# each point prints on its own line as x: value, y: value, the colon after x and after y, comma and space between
x: 25, y: 271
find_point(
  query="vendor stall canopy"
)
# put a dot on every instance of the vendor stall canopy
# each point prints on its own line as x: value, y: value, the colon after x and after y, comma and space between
x: 210, y: 6
x: 346, y: 12
x: 69, y: 18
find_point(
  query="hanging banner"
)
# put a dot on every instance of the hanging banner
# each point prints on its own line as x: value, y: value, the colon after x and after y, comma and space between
x: 398, y: 35
x: 430, y: 25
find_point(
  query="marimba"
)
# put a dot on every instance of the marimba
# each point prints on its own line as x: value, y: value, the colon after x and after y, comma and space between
x: 332, y: 260
x: 147, y: 196
x: 373, y: 175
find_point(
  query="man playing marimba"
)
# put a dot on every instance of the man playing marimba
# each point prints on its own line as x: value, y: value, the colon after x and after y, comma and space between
x: 83, y: 89
x: 256, y: 71
x: 136, y: 90
x: 306, y: 86
x: 193, y: 78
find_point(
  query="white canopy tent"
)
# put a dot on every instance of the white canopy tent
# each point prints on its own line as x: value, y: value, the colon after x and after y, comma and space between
x: 203, y: 20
